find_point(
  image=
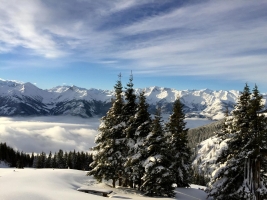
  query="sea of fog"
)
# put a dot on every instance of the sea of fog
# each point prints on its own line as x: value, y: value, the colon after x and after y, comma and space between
x: 37, y: 134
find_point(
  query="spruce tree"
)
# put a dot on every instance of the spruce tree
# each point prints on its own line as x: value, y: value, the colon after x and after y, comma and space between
x: 74, y: 160
x: 130, y: 105
x: 108, y: 160
x: 69, y: 160
x: 137, y: 153
x: 242, y: 167
x: 178, y: 144
x: 61, y: 163
x: 129, y: 110
x: 257, y: 147
x: 158, y: 178
x: 48, y: 162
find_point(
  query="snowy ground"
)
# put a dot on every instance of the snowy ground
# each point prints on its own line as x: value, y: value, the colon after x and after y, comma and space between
x: 37, y: 134
x: 49, y: 184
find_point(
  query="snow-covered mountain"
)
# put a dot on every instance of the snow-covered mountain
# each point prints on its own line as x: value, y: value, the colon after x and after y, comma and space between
x: 17, y: 98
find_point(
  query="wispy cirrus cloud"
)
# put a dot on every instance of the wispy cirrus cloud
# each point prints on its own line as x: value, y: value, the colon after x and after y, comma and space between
x: 20, y: 22
x: 207, y: 38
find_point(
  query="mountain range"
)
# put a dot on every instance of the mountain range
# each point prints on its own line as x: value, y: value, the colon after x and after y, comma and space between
x: 25, y: 99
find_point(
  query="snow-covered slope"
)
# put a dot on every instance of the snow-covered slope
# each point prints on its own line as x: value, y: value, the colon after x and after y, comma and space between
x: 25, y: 99
x: 206, y: 155
x: 43, y: 184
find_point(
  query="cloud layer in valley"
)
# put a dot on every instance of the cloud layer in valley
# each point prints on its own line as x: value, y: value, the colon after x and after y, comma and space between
x: 47, y: 134
x: 37, y: 134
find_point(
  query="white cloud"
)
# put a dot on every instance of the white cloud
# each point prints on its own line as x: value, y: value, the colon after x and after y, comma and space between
x: 21, y: 27
x: 203, y: 39
x: 211, y: 38
x: 49, y: 133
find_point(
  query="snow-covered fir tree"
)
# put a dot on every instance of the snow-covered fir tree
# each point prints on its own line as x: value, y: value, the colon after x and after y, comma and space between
x: 241, y: 172
x: 137, y: 153
x: 158, y: 178
x: 110, y: 142
x: 130, y: 105
x: 129, y: 110
x: 178, y: 145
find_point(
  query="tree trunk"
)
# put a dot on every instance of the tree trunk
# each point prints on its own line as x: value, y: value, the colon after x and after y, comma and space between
x: 256, y: 178
x: 113, y: 183
x: 120, y: 178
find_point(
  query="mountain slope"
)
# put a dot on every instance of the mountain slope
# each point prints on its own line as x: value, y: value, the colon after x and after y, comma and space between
x: 25, y: 99
x: 199, y: 134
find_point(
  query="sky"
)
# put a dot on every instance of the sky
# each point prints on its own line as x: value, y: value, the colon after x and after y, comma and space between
x: 183, y: 44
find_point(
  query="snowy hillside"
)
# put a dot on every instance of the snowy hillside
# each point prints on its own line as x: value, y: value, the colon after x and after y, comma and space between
x: 25, y: 99
x: 36, y: 184
x: 202, y: 132
x: 207, y: 153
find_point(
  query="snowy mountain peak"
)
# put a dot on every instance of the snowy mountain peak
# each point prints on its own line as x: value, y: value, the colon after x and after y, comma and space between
x: 26, y: 98
x: 9, y: 83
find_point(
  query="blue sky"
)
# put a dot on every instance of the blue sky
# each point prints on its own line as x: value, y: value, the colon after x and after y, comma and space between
x: 183, y: 44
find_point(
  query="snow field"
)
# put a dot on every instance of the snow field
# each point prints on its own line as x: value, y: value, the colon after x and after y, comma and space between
x: 49, y: 184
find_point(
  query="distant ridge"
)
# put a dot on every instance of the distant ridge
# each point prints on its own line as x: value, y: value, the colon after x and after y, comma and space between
x: 26, y: 99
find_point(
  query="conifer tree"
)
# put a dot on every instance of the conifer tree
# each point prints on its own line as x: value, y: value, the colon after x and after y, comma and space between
x: 31, y: 160
x: 108, y: 161
x: 61, y: 163
x: 130, y: 105
x: 54, y: 161
x: 178, y: 144
x: 69, y: 160
x: 129, y: 110
x: 242, y: 167
x: 48, y: 162
x: 79, y: 161
x: 138, y: 153
x: 158, y: 178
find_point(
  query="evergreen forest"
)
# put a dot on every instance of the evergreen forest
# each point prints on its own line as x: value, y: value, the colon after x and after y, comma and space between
x: 62, y: 160
x: 137, y: 150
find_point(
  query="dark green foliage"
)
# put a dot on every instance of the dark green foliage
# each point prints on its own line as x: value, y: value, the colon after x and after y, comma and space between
x: 129, y: 108
x: 41, y: 160
x: 48, y: 162
x: 137, y: 151
x: 61, y: 163
x: 14, y: 158
x: 54, y: 161
x: 199, y: 178
x: 178, y: 145
x: 71, y: 160
x: 130, y: 147
x: 129, y: 111
x: 21, y: 160
x: 110, y: 142
x: 242, y: 174
x: 158, y: 178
